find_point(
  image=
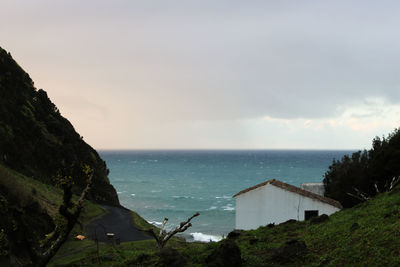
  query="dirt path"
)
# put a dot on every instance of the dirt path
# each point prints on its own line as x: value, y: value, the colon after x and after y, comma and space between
x: 118, y: 221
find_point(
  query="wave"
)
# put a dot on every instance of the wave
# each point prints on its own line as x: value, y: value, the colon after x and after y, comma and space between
x: 200, y: 237
x: 212, y: 208
x: 224, y: 197
x: 228, y: 207
x: 155, y: 223
x: 183, y: 197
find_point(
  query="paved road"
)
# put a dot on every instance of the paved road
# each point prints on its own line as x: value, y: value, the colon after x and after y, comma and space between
x: 118, y: 221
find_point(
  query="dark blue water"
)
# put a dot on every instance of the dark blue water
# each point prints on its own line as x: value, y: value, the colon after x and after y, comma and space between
x: 176, y: 184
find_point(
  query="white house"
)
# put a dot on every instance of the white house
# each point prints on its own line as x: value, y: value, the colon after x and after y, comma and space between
x: 275, y: 202
x: 317, y: 188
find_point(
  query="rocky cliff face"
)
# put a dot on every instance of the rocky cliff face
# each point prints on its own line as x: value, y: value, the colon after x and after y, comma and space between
x: 36, y: 140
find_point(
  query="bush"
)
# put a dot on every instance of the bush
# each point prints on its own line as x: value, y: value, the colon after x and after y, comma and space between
x: 364, y: 173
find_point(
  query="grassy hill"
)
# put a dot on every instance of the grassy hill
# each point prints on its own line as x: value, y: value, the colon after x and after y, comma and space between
x: 365, y: 235
x: 38, y: 204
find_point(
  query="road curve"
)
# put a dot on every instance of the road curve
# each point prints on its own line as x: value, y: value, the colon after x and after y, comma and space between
x: 118, y: 220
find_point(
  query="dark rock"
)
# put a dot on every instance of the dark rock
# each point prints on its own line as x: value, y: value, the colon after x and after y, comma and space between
x: 253, y: 241
x: 235, y: 234
x: 227, y: 254
x: 319, y: 219
x: 107, y: 258
x: 324, y: 262
x: 142, y: 257
x: 354, y: 227
x: 171, y: 257
x: 289, y: 221
x: 392, y: 213
x: 292, y: 249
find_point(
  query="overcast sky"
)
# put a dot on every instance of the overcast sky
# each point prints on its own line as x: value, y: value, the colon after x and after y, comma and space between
x: 214, y: 74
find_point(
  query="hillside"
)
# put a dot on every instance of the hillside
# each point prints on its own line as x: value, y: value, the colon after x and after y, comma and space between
x: 365, y: 235
x: 37, y: 141
x: 29, y: 210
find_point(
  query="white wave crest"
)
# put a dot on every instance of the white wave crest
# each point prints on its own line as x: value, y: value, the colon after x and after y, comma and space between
x: 212, y: 208
x: 155, y: 223
x: 224, y: 197
x: 200, y: 237
x: 184, y: 197
x: 228, y: 207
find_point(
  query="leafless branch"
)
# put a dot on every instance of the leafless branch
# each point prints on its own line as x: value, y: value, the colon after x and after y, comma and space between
x: 359, y: 195
x: 163, y: 237
x: 376, y: 188
x: 163, y: 225
x: 394, y: 182
x: 59, y: 236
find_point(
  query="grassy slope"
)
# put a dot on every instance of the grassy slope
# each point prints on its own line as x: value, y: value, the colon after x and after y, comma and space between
x: 375, y: 242
x: 336, y: 242
x: 50, y: 198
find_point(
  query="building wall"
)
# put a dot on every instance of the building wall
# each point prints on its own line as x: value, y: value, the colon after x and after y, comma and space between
x: 271, y: 204
x: 316, y: 188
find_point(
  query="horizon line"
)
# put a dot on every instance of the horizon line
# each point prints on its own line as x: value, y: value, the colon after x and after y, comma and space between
x: 229, y: 149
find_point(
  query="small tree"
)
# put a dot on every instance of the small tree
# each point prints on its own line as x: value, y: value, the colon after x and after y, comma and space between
x: 41, y: 254
x: 163, y: 236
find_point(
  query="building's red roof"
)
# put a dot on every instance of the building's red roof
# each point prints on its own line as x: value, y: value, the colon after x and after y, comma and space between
x: 293, y: 189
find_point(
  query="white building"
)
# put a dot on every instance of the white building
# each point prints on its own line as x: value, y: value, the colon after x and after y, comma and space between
x: 275, y: 202
x: 317, y: 188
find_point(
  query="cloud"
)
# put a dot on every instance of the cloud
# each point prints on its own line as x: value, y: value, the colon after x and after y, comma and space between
x: 226, y: 60
x: 173, y: 67
x: 361, y: 116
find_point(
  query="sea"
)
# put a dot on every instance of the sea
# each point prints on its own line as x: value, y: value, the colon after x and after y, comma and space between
x: 175, y: 184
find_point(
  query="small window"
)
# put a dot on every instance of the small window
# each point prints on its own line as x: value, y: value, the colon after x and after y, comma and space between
x: 308, y: 214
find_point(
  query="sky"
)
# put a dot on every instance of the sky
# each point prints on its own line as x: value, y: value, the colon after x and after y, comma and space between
x: 213, y: 74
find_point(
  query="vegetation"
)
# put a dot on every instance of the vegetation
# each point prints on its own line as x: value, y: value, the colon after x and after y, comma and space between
x: 365, y: 235
x: 162, y: 237
x: 37, y: 144
x: 36, y: 140
x: 35, y: 219
x: 362, y: 175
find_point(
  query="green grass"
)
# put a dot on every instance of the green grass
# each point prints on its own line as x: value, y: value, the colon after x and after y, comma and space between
x: 27, y: 188
x: 49, y: 197
x: 374, y: 242
x: 141, y: 223
x: 335, y: 242
x: 365, y: 235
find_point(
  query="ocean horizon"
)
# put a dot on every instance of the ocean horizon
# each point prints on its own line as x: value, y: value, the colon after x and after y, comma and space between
x: 177, y: 183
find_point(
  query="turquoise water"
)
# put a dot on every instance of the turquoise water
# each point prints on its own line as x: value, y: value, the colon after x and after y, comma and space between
x: 176, y: 184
